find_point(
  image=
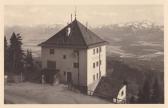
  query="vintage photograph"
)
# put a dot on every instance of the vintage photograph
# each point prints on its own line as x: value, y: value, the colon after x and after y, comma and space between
x: 83, y: 54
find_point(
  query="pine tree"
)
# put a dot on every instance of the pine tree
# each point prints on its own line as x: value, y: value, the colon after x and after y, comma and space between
x: 6, y: 55
x: 146, y: 91
x: 5, y: 45
x: 156, y: 93
x: 29, y: 65
x: 144, y: 94
x: 16, y: 54
x: 29, y: 59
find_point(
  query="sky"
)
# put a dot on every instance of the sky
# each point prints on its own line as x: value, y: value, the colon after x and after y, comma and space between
x: 94, y: 15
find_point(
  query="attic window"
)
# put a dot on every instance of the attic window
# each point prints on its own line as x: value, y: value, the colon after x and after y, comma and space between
x: 122, y: 93
x: 68, y: 31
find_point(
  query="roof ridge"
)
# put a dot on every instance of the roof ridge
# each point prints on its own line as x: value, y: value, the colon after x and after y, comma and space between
x: 54, y: 34
x: 81, y: 37
x: 88, y: 30
x: 96, y: 35
x: 81, y: 32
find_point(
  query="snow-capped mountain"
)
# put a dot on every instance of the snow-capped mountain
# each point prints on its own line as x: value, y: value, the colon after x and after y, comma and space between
x: 137, y: 40
x: 143, y: 25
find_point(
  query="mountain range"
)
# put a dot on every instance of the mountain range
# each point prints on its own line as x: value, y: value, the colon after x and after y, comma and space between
x: 138, y: 44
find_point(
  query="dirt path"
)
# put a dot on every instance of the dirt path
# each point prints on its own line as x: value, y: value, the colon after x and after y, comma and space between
x: 11, y: 98
x: 30, y: 93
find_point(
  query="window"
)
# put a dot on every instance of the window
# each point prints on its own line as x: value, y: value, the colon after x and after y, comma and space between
x: 97, y: 63
x: 100, y: 74
x: 93, y: 65
x: 64, y: 73
x: 51, y: 64
x: 76, y: 65
x: 122, y: 93
x: 97, y: 76
x: 64, y: 56
x: 93, y: 77
x: 97, y: 50
x: 93, y: 51
x: 51, y: 51
x: 100, y: 62
x: 75, y: 53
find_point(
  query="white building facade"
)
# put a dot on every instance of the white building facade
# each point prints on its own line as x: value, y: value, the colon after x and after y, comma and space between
x: 79, y: 63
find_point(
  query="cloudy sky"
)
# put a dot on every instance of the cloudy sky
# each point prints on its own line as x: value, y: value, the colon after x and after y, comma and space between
x: 95, y: 15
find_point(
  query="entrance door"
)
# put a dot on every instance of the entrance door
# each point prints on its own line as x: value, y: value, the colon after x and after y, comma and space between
x: 69, y: 77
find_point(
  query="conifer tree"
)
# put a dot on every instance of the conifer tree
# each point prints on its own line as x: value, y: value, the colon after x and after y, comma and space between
x: 156, y: 93
x: 146, y: 91
x: 6, y: 55
x: 29, y: 59
x: 29, y: 65
x: 16, y: 54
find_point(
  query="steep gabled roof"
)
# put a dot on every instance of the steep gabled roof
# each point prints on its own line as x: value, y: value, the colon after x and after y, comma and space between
x: 80, y: 37
x: 108, y: 87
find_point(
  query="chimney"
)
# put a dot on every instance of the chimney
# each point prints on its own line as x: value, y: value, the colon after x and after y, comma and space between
x: 68, y: 29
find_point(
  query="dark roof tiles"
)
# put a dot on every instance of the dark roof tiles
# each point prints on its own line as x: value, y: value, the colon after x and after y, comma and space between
x: 80, y: 37
x: 108, y: 87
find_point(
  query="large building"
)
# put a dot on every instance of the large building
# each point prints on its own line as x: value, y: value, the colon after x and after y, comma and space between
x: 77, y: 54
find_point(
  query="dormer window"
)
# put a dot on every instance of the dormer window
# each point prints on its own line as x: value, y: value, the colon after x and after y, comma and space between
x: 68, y: 31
